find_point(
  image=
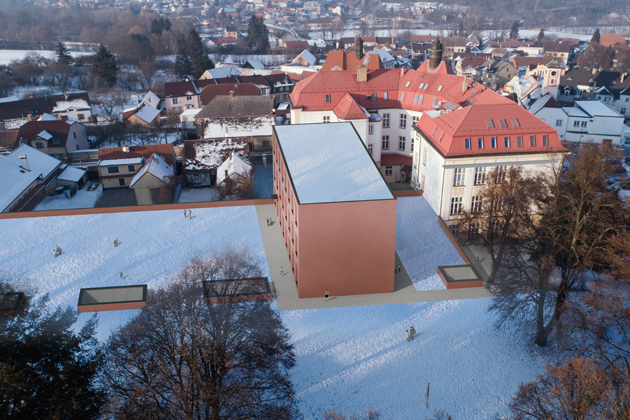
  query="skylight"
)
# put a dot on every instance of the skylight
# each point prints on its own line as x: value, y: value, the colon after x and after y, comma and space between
x: 503, y: 123
x: 440, y: 88
x: 407, y: 84
x: 516, y: 123
x: 490, y: 123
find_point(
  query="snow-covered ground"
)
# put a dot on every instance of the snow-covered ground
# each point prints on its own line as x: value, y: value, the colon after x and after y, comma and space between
x: 139, y: 139
x: 198, y: 195
x: 83, y: 199
x: 6, y: 56
x: 153, y: 247
x: 422, y: 244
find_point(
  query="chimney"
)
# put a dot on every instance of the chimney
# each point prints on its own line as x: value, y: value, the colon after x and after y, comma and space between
x: 231, y: 94
x: 402, y: 71
x: 464, y: 85
x: 226, y: 174
x: 362, y: 74
x: 59, y: 118
x: 594, y: 70
x: 623, y: 77
x: 359, y: 48
x: 24, y: 161
x: 125, y: 149
x: 29, y: 117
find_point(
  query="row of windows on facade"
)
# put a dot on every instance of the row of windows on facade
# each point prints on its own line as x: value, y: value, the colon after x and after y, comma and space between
x: 459, y: 175
x: 474, y: 228
x: 457, y: 205
x: 402, y: 141
x: 507, y: 142
x: 40, y: 145
x: 115, y: 170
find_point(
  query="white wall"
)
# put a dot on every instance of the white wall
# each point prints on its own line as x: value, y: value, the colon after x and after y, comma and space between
x: 597, y: 129
x: 551, y: 116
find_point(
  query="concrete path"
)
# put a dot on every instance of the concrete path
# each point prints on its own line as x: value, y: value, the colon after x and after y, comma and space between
x: 286, y: 292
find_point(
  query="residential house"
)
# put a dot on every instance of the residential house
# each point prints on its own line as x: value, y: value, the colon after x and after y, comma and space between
x: 454, y: 45
x: 54, y: 137
x: 455, y: 152
x: 210, y: 92
x: 180, y: 96
x: 340, y: 60
x: 578, y: 84
x: 563, y: 50
x: 594, y: 121
x: 15, y: 113
x: 495, y: 74
x: 236, y: 168
x: 305, y: 59
x: 27, y: 175
x: 154, y: 182
x: 144, y: 117
x: 230, y: 32
x: 612, y: 40
x: 550, y: 111
x: 312, y: 7
x: 202, y: 158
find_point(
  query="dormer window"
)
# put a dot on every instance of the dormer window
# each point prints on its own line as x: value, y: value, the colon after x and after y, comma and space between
x: 327, y: 98
x: 373, y: 96
x: 56, y: 141
x: 384, y: 96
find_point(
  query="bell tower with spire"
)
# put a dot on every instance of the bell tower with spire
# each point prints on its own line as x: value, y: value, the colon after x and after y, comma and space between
x: 435, y: 54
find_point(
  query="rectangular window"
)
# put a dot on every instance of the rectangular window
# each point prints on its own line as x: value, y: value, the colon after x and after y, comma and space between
x: 389, y: 170
x: 558, y: 123
x: 131, y: 168
x: 480, y: 142
x: 490, y: 123
x: 493, y: 142
x: 532, y: 141
x: 373, y: 96
x: 327, y: 98
x: 519, y: 141
x: 424, y: 156
x: 583, y: 123
x: 441, y: 136
x: 545, y: 140
x: 384, y: 96
x: 503, y: 123
x: 371, y: 129
x: 467, y: 144
x: 420, y: 98
x: 56, y: 141
x: 189, y: 98
x: 385, y: 120
x: 403, y: 121
x: 434, y: 102
x: 506, y: 142
x: 174, y: 101
x: 459, y: 177
x: 576, y: 123
x: 414, y: 121
x: 434, y: 130
x: 401, y: 142
x: 385, y: 145
x: 415, y: 99
x: 121, y: 181
x: 40, y: 145
x: 475, y: 205
x: 623, y: 110
x: 501, y: 171
x: 439, y: 88
x: 516, y: 123
x: 456, y: 205
x: 81, y: 116
x: 326, y: 119
x: 402, y: 96
x: 411, y: 146
x: 407, y: 84
x: 370, y: 148
x: 480, y: 175
x: 112, y: 169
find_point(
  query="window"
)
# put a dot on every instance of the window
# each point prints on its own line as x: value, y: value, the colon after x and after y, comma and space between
x: 420, y: 98
x: 415, y: 99
x: 407, y: 84
x: 384, y: 96
x: 434, y: 130
x: 473, y: 229
x: 385, y: 120
x: 189, y: 98
x: 506, y: 141
x: 121, y: 181
x: 266, y: 143
x: 327, y: 98
x: 623, y: 110
x: 493, y: 142
x: 480, y: 175
x: 371, y: 129
x: 403, y: 121
x: 532, y: 141
x: 459, y: 177
x: 627, y: 99
x: 439, y: 88
x: 81, y: 116
x: 414, y: 121
x: 558, y: 123
x: 401, y: 142
x: 435, y: 102
x: 490, y: 123
x: 576, y: 123
x: 385, y: 145
x: 424, y: 156
x: 389, y: 170
x: 174, y: 101
x: 326, y: 119
x: 370, y: 148
x: 112, y: 169
x: 441, y: 136
x: 454, y: 230
x: 467, y: 144
x: 196, y: 177
x: 519, y: 141
x: 545, y: 140
x: 411, y: 146
x: 456, y: 205
x: 402, y: 96
x: 501, y: 171
x: 64, y: 117
x: 131, y: 168
x: 480, y: 142
x: 584, y: 123
x: 475, y: 205
x: 516, y: 123
x: 503, y: 123
x: 373, y: 96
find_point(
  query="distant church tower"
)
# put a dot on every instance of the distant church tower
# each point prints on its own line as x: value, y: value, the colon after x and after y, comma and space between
x: 551, y: 78
x: 435, y: 54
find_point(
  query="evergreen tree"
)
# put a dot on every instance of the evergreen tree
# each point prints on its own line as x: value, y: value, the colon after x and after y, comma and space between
x: 159, y: 25
x: 514, y: 29
x: 596, y: 36
x: 540, y: 37
x: 104, y: 66
x: 258, y: 35
x: 197, y: 55
x: 341, y: 45
x: 62, y: 53
x: 183, y: 66
x: 47, y: 369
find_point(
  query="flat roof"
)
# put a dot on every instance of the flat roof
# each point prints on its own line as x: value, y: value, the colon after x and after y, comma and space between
x: 329, y: 163
x: 598, y: 109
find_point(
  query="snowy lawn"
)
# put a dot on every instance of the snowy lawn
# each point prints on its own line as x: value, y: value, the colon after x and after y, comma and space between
x: 198, y: 195
x: 351, y: 358
x: 83, y: 199
x: 153, y: 247
x: 422, y: 244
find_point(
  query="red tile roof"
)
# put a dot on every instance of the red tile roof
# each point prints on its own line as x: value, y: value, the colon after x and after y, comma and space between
x: 164, y: 150
x: 611, y: 39
x: 447, y: 132
x: 349, y: 109
x: 339, y: 60
x: 396, y: 159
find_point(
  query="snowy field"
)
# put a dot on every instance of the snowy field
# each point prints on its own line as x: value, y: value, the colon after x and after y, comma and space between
x: 422, y: 244
x: 153, y: 247
x: 198, y: 195
x: 6, y: 56
x: 83, y: 199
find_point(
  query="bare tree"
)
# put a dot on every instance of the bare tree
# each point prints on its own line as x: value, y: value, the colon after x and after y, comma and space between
x: 181, y: 358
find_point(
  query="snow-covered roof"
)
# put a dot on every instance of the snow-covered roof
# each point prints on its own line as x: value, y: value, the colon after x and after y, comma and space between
x: 15, y: 179
x: 238, y: 127
x: 283, y: 106
x: 151, y: 99
x: 47, y: 117
x: 71, y: 174
x: 127, y: 161
x: 329, y: 163
x: 45, y: 135
x: 308, y: 56
x: 597, y: 109
x: 78, y: 104
x: 257, y: 65
x: 384, y: 54
x: 9, y: 99
x: 156, y: 166
x: 209, y: 154
x: 223, y: 71
x: 575, y: 112
x: 234, y: 164
x: 147, y: 113
x: 190, y: 112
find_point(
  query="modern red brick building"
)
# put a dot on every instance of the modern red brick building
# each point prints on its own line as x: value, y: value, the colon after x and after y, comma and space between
x: 336, y: 213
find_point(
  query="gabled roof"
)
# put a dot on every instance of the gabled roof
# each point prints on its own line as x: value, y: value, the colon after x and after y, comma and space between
x: 611, y: 39
x: 147, y: 113
x: 545, y: 101
x: 563, y: 47
x: 224, y: 106
x: 447, y: 132
x: 57, y: 129
x: 209, y: 154
x: 76, y: 104
x: 307, y: 56
x: 164, y: 150
x: 156, y: 166
x: 36, y: 106
x: 340, y: 60
x: 234, y: 164
x: 240, y: 89
x: 7, y: 138
x: 233, y: 127
x: 597, y: 109
x: 151, y: 99
x: 349, y: 109
x: 531, y: 62
x: 178, y: 89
